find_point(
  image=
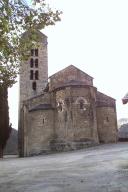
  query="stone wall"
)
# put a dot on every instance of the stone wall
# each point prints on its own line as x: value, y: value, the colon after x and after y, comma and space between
x: 26, y: 88
x: 107, y: 124
x: 104, y: 100
x: 40, y: 132
x: 67, y: 75
x: 44, y: 98
x: 69, y: 114
x: 106, y: 118
x: 76, y: 117
x: 67, y: 118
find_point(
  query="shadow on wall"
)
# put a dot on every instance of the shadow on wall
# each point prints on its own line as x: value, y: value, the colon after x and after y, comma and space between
x: 12, y: 143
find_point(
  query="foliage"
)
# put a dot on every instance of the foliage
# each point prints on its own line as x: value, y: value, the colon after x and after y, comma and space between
x: 16, y: 17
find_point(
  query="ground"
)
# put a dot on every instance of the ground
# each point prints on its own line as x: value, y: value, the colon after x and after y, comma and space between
x: 102, y: 168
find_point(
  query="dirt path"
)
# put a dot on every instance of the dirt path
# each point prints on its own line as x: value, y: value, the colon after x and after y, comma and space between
x: 98, y: 169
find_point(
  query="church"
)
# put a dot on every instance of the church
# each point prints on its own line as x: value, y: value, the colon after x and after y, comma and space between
x: 62, y: 112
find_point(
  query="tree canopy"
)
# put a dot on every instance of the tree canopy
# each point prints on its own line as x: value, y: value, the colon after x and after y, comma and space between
x: 16, y: 17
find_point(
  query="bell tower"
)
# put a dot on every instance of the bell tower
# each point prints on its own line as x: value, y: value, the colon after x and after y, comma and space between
x: 34, y: 71
x: 33, y: 79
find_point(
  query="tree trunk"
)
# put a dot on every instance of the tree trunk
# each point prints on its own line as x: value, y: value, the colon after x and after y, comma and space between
x: 5, y: 129
x: 1, y: 152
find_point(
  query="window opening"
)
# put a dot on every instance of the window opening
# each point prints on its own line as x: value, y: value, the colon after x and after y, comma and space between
x: 32, y: 52
x: 31, y: 63
x: 31, y: 75
x: 36, y: 52
x: 34, y: 85
x: 36, y: 63
x: 81, y: 105
x: 107, y: 119
x: 36, y: 75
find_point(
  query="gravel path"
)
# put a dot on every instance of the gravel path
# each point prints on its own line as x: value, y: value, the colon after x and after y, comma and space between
x: 98, y: 169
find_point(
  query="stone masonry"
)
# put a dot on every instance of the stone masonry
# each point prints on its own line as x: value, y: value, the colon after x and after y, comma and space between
x: 63, y: 113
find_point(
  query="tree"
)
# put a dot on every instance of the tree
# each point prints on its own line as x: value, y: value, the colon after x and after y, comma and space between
x: 16, y: 17
x: 5, y: 129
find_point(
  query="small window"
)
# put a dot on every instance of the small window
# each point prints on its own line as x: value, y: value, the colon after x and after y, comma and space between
x: 107, y: 119
x: 32, y: 52
x: 36, y: 63
x: 36, y: 75
x: 31, y: 75
x: 31, y: 63
x: 36, y: 52
x: 81, y: 105
x: 34, y: 86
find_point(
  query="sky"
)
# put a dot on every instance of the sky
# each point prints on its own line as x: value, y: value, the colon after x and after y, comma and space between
x: 93, y: 36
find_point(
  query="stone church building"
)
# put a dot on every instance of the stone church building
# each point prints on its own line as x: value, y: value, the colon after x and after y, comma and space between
x: 63, y: 112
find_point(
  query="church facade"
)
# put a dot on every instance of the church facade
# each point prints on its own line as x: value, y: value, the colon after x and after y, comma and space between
x: 63, y: 112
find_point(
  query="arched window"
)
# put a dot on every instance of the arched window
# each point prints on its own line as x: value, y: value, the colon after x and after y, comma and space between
x: 31, y: 63
x: 32, y: 52
x: 107, y: 119
x: 81, y: 104
x: 34, y: 86
x: 36, y: 75
x: 81, y: 99
x: 36, y: 63
x: 36, y: 52
x: 31, y: 75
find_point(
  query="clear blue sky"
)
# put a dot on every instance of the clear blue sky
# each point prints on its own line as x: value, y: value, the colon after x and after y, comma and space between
x: 93, y: 36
